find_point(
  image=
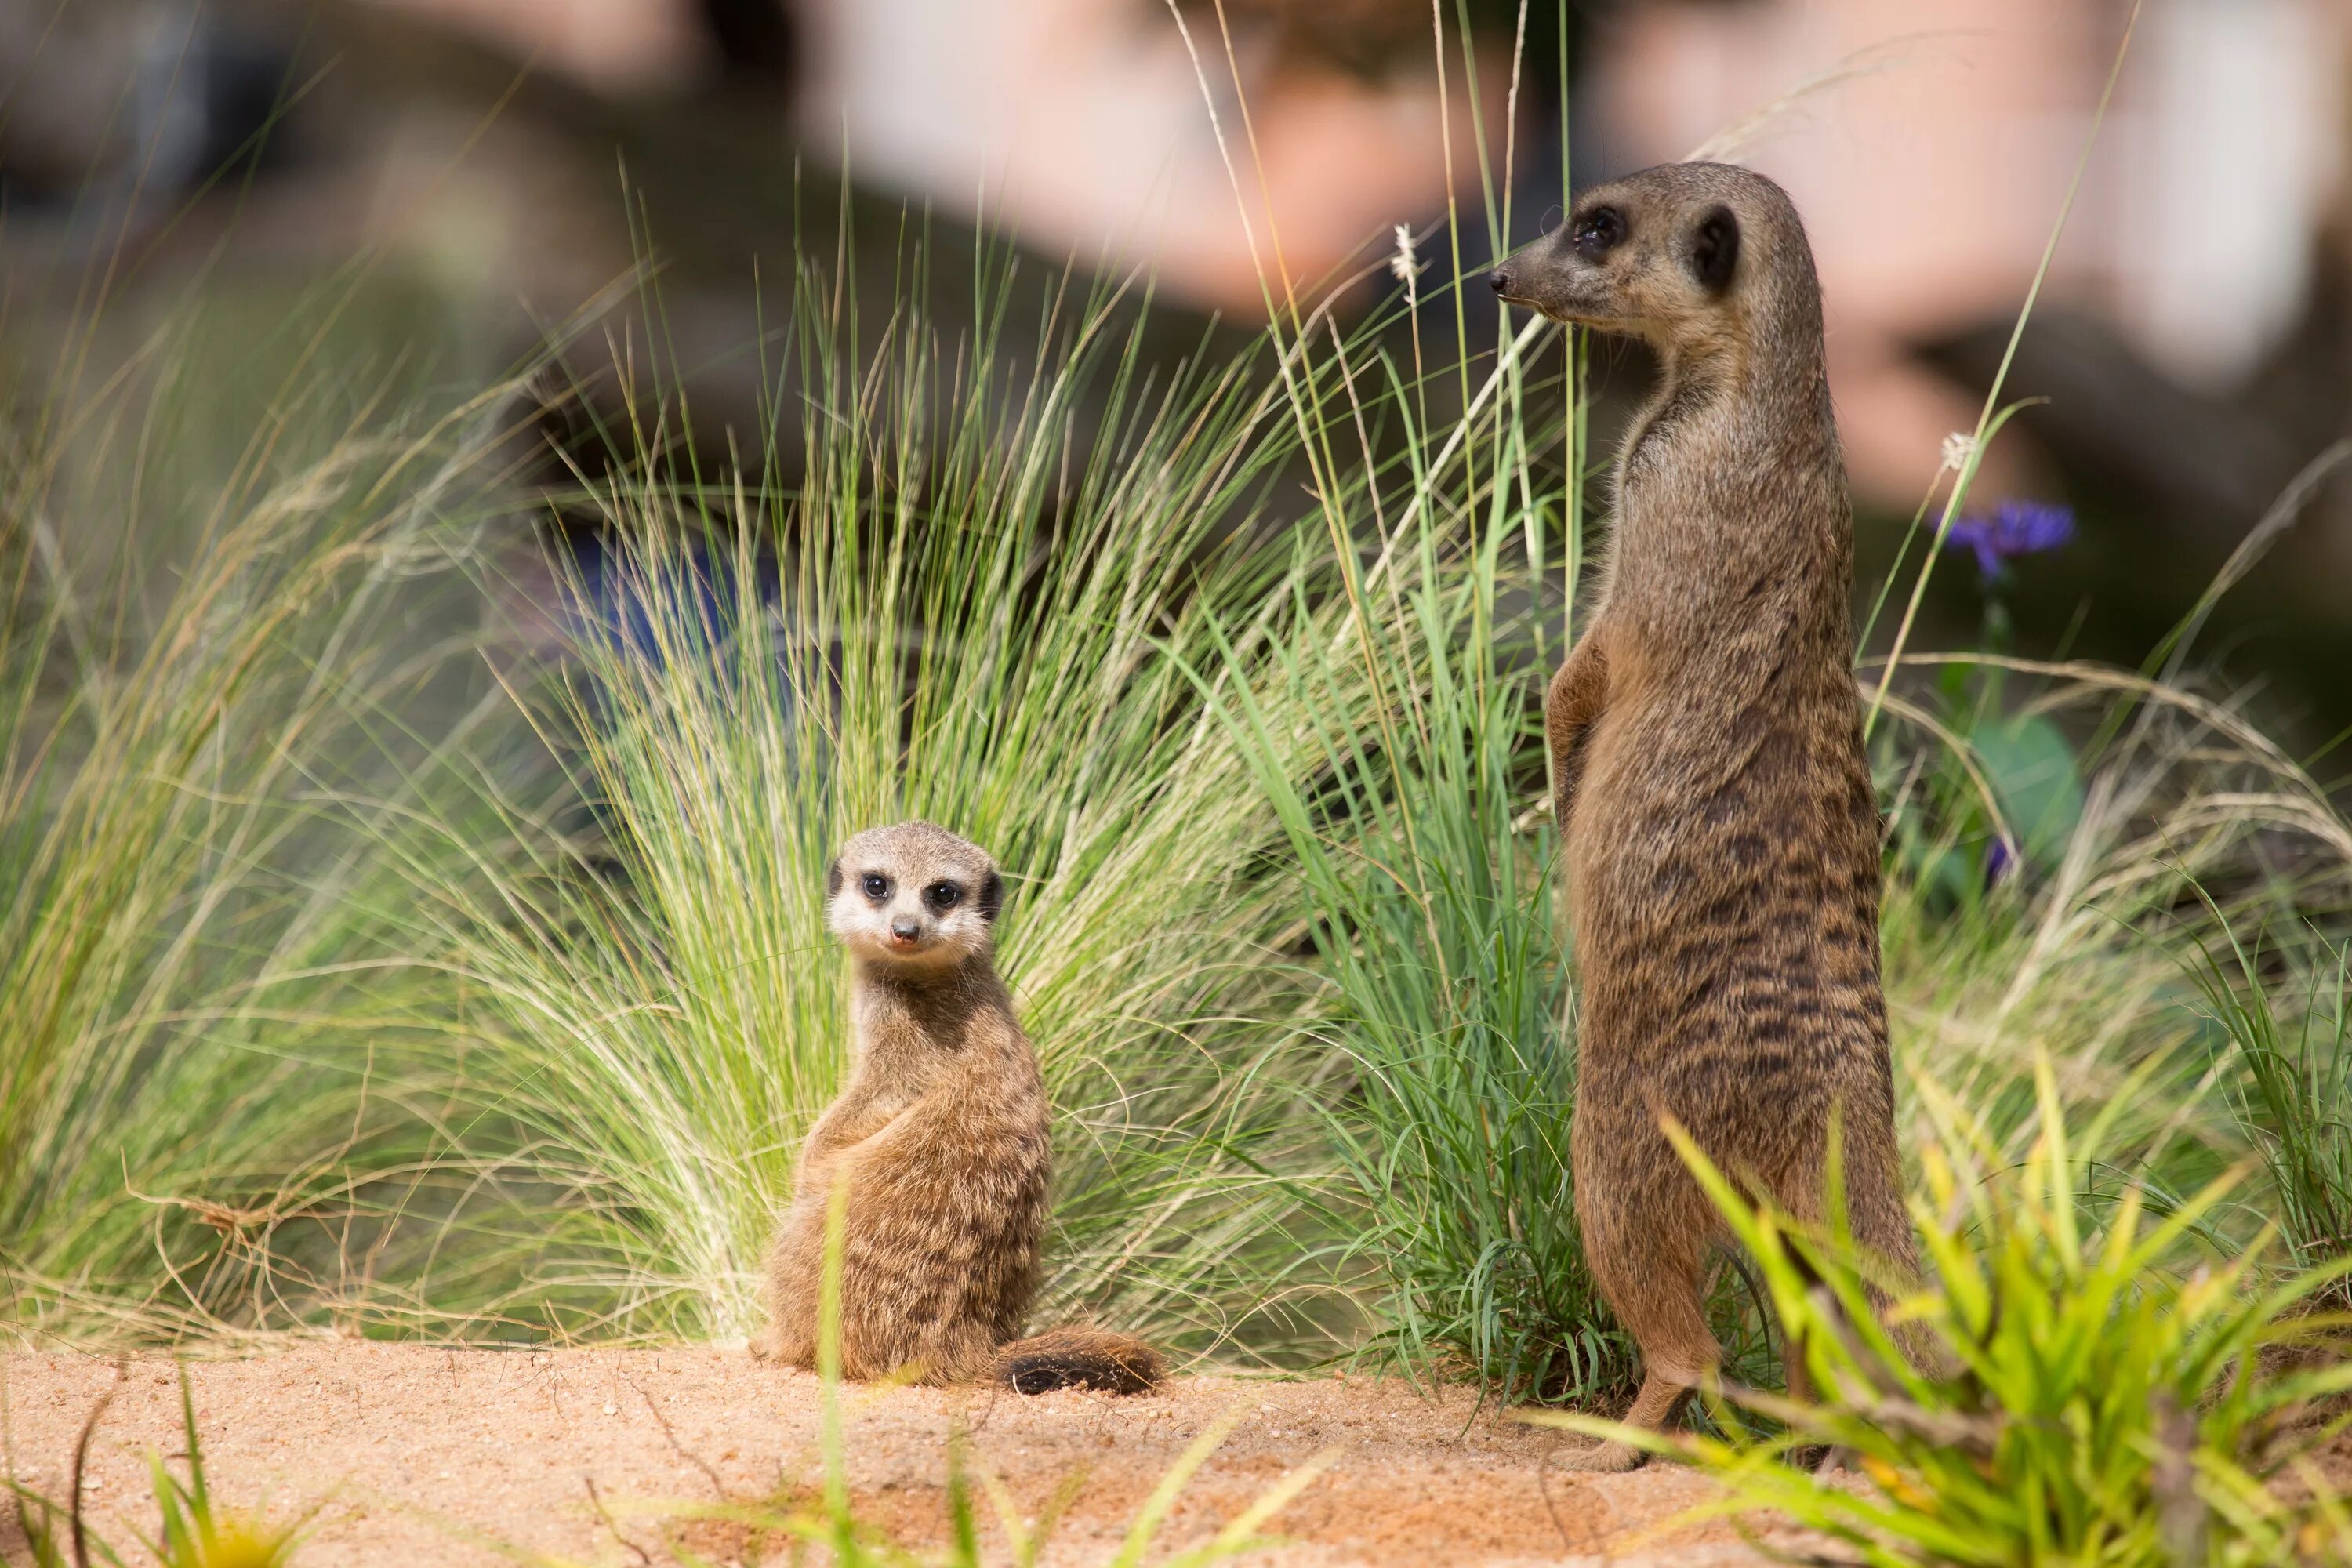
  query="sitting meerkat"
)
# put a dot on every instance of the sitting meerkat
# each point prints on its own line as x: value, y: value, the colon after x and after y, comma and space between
x: 941, y: 1139
x: 1719, y: 829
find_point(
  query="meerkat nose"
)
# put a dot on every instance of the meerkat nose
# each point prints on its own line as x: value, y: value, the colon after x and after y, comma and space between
x: 904, y: 930
x: 1501, y: 279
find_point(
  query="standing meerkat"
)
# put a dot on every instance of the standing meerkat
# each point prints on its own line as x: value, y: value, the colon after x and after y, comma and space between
x: 1719, y: 826
x: 941, y: 1138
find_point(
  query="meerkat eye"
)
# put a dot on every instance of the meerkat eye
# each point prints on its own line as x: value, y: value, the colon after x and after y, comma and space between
x: 942, y: 895
x: 877, y: 885
x: 1598, y: 233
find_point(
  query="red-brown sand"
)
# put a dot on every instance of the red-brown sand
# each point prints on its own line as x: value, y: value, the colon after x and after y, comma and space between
x: 407, y: 1455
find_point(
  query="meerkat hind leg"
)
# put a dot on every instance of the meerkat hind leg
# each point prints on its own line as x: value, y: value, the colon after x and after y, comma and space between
x: 1676, y: 1349
x: 1651, y: 1275
x: 1654, y: 1409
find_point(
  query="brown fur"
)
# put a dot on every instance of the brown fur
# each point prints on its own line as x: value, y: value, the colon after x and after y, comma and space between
x: 1721, y: 835
x: 941, y: 1139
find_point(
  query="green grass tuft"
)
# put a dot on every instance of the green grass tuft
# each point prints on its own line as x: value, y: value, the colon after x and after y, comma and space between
x: 2071, y: 1383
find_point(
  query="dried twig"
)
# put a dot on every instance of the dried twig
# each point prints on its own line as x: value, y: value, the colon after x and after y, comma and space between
x: 718, y: 1485
x: 81, y: 1459
x: 596, y: 1500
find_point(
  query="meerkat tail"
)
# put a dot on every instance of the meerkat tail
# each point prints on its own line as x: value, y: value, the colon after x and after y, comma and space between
x: 1081, y: 1358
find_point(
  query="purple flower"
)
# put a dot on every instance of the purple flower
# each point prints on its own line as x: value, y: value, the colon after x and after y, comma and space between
x: 2016, y: 527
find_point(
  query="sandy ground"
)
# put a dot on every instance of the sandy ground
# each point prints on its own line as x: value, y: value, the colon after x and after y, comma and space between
x: 408, y: 1454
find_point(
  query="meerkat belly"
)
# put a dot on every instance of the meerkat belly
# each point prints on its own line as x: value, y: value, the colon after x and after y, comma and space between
x: 948, y: 1228
x: 953, y: 1200
x: 1718, y: 893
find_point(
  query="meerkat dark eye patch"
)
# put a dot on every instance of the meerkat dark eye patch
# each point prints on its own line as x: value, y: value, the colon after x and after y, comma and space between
x: 1714, y: 250
x: 942, y: 895
x: 1598, y: 232
x: 877, y: 886
x: 991, y: 897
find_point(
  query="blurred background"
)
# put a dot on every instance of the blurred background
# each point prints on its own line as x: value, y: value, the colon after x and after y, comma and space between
x: 430, y: 186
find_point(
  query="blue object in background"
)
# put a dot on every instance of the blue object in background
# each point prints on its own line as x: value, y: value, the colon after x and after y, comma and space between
x: 2015, y: 527
x: 612, y: 595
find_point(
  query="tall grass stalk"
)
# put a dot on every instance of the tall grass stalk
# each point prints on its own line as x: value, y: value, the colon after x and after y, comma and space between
x: 2290, y: 1089
x: 1431, y: 926
x: 963, y: 614
x: 2199, y: 830
x: 205, y: 1049
x: 1435, y: 931
x: 2089, y: 1386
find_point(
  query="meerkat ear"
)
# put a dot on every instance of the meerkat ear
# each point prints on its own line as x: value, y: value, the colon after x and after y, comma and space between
x: 1714, y: 250
x: 833, y: 879
x: 991, y: 897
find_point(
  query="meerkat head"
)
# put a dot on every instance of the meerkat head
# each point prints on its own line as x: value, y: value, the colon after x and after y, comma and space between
x: 1683, y: 255
x: 913, y: 896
